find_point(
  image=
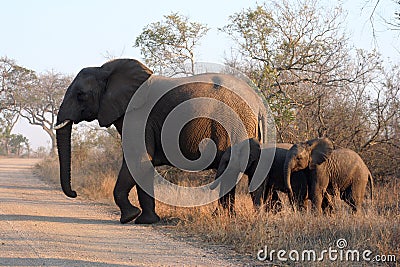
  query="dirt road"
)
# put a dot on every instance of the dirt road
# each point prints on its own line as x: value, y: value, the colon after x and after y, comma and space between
x: 39, y: 226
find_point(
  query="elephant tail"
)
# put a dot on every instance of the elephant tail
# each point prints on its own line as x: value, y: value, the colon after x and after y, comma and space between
x: 262, y: 129
x: 371, y: 185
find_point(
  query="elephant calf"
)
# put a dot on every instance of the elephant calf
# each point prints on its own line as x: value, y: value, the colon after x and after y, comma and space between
x: 273, y: 180
x: 332, y: 172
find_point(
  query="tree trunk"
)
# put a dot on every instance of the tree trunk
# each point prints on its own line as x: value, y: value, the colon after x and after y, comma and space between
x: 50, y: 132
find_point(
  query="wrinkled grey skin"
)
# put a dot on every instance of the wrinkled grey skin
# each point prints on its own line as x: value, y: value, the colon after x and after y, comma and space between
x: 103, y: 93
x: 332, y: 172
x: 273, y: 182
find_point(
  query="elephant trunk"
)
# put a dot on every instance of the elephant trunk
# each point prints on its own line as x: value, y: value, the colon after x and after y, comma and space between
x: 287, y: 171
x: 64, y: 155
x: 217, y: 181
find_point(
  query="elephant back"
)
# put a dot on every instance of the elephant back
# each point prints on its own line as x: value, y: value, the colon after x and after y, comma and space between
x: 345, y: 167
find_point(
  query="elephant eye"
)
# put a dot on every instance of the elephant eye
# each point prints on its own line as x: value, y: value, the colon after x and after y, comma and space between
x: 82, y: 96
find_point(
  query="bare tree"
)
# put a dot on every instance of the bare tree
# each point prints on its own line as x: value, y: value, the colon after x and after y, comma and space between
x: 8, y: 119
x: 392, y: 22
x: 382, y: 144
x: 12, y: 77
x: 397, y: 16
x: 40, y: 99
x: 297, y: 53
x: 315, y: 83
x: 168, y: 46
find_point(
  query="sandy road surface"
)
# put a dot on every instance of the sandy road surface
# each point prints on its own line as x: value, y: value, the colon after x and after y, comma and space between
x: 39, y: 226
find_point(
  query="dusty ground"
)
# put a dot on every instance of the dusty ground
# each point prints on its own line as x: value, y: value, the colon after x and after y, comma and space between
x: 39, y: 226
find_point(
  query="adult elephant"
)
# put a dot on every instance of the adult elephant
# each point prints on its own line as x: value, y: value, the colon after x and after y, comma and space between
x: 273, y: 180
x: 332, y: 172
x: 103, y: 93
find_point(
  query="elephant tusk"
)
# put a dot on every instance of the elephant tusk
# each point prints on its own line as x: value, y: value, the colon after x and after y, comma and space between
x: 61, y: 125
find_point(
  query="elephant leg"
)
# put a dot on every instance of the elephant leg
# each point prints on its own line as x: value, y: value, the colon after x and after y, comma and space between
x: 300, y: 202
x: 228, y: 201
x: 316, y: 198
x: 358, y: 193
x: 351, y: 197
x: 276, y: 202
x: 122, y: 188
x: 301, y: 199
x: 327, y: 204
x: 258, y: 194
x: 317, y: 203
x: 318, y: 186
x: 147, y: 203
x: 146, y: 199
x: 267, y: 198
x: 256, y: 199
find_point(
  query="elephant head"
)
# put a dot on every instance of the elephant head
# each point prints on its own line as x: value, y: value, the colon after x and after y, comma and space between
x: 101, y: 93
x: 305, y: 155
x: 238, y: 161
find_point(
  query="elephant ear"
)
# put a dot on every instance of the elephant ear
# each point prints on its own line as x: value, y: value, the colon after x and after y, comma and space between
x: 321, y: 149
x: 254, y: 153
x: 125, y: 77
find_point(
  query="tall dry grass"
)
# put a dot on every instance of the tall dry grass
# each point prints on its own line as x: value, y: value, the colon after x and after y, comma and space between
x: 376, y: 228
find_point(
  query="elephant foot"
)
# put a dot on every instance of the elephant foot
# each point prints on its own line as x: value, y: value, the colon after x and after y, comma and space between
x: 130, y: 215
x: 147, y: 218
x: 222, y: 211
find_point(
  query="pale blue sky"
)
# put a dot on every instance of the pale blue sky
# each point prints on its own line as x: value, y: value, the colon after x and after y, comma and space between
x: 66, y: 36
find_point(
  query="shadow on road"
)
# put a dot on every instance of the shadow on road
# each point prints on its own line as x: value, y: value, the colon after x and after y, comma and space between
x: 13, y: 217
x: 53, y: 262
x: 28, y: 187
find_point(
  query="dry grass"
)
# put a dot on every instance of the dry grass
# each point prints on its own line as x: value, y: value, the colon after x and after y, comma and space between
x: 376, y: 229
